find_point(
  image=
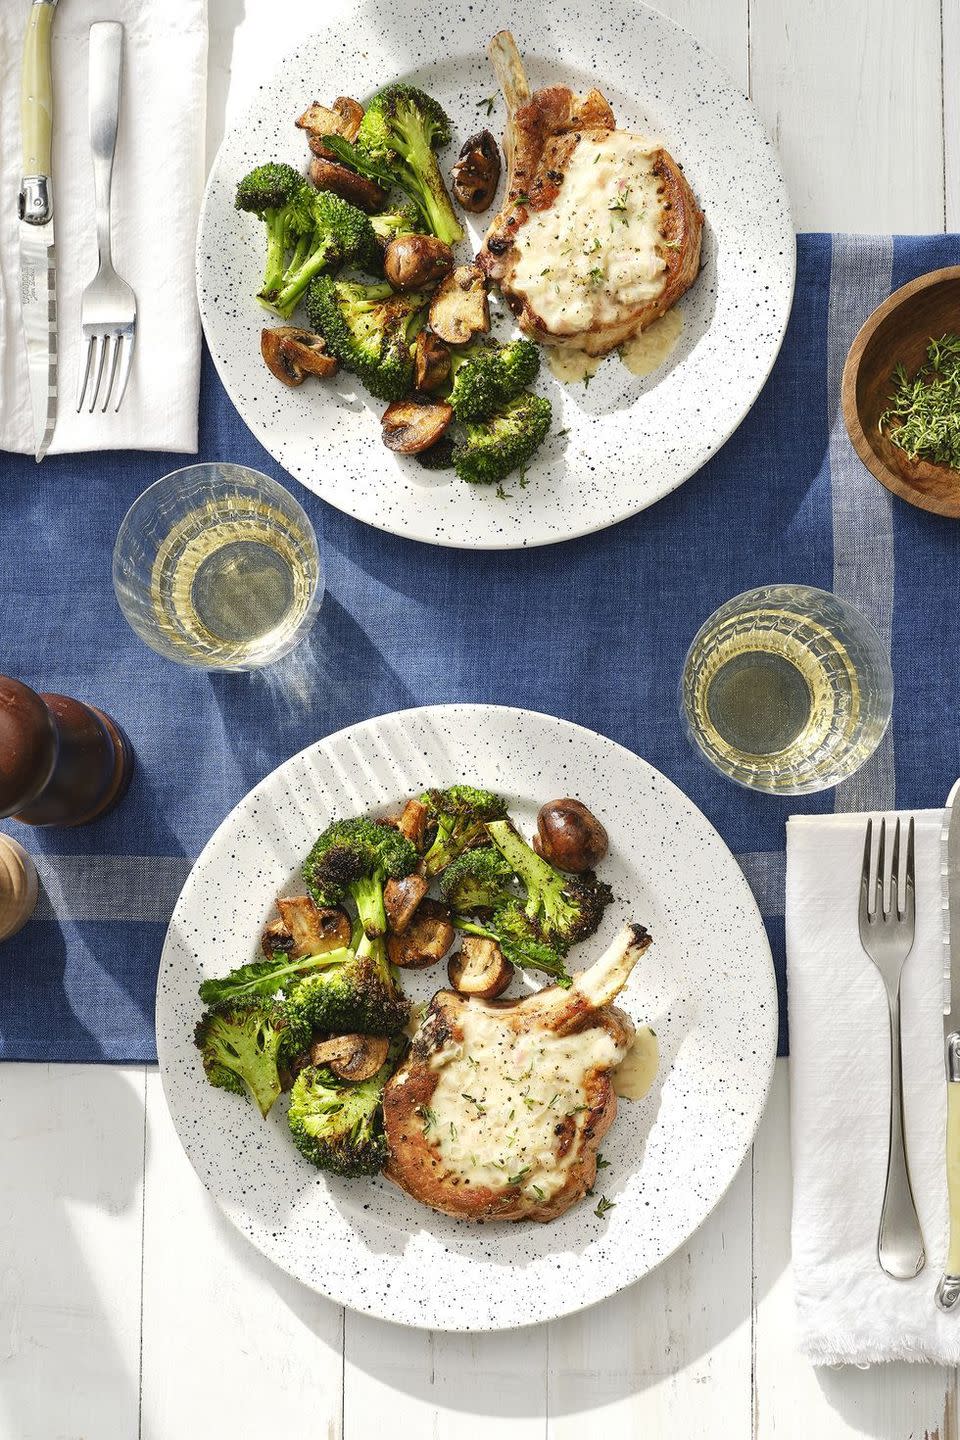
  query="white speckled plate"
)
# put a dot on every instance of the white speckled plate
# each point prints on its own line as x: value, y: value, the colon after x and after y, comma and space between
x: 617, y: 445
x: 706, y: 986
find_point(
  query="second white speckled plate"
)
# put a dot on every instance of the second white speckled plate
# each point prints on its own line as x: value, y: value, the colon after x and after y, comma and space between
x: 706, y: 986
x: 618, y: 444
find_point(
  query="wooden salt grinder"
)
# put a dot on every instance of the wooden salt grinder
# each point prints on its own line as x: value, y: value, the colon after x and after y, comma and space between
x: 61, y: 762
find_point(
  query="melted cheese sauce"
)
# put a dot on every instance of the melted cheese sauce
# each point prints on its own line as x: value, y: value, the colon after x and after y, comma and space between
x: 646, y: 352
x: 637, y: 1070
x: 569, y: 364
x: 593, y: 253
x: 496, y: 1122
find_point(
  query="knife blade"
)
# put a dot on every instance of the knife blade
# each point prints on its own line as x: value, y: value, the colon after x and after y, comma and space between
x: 948, y: 1290
x: 38, y: 276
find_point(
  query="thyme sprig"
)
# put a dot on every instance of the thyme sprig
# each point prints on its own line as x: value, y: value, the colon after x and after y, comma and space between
x: 923, y: 415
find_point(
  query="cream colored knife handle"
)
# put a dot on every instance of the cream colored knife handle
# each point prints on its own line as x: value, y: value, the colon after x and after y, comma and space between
x: 36, y: 100
x: 948, y: 1291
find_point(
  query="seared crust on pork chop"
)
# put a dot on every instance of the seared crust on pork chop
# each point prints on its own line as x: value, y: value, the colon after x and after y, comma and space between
x: 551, y: 136
x: 499, y: 1108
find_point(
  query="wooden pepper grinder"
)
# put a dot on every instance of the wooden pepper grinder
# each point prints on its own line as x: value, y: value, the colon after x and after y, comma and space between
x: 61, y: 762
x: 18, y: 887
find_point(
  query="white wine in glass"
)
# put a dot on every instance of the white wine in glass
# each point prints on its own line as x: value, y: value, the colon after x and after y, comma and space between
x: 786, y: 689
x: 217, y: 566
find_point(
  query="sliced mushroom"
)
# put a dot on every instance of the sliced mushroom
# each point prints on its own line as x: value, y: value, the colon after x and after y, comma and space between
x: 275, y: 937
x: 314, y: 931
x: 476, y: 175
x: 570, y: 836
x: 412, y: 822
x: 431, y: 361
x: 352, y: 1057
x: 415, y: 262
x: 292, y: 354
x: 400, y: 900
x: 426, y: 940
x: 329, y: 174
x: 409, y: 427
x: 479, y: 968
x: 459, y: 309
x: 343, y: 118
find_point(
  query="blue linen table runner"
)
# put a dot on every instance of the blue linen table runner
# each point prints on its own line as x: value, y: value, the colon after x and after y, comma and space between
x: 594, y: 630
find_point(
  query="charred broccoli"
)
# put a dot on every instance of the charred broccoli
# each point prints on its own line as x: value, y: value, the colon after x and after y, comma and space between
x: 566, y: 908
x: 356, y: 858
x: 337, y: 1125
x: 459, y: 814
x: 242, y: 1043
x: 398, y: 135
x: 478, y: 880
x: 490, y: 449
x: 280, y: 197
x: 370, y: 329
x: 264, y: 978
x: 404, y: 221
x: 339, y: 233
x: 355, y: 996
x: 521, y: 940
x: 487, y: 375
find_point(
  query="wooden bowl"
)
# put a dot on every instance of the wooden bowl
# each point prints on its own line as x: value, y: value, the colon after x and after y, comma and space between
x: 899, y: 331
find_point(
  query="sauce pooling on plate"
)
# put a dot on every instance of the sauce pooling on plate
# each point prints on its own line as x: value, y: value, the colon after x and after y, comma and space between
x: 637, y: 1070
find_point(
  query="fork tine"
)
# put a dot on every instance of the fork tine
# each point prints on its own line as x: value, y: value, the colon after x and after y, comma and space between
x: 865, y: 875
x: 99, y: 363
x: 895, y: 874
x: 112, y: 376
x: 91, y: 346
x: 881, y: 911
x: 127, y: 342
x: 909, y: 895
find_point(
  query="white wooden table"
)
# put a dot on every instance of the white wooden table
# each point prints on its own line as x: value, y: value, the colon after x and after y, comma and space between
x: 129, y: 1307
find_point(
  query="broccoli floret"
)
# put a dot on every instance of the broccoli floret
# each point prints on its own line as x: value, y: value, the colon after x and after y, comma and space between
x: 521, y: 940
x: 339, y: 233
x: 405, y: 221
x: 460, y: 814
x: 487, y: 375
x: 338, y: 1126
x: 567, y: 908
x: 357, y: 996
x: 356, y: 858
x: 242, y: 1044
x: 280, y: 197
x: 489, y: 449
x: 263, y: 978
x: 477, y: 880
x: 370, y: 329
x: 400, y: 130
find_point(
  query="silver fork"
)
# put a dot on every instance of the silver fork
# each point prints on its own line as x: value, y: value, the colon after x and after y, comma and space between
x: 886, y: 934
x: 108, y: 314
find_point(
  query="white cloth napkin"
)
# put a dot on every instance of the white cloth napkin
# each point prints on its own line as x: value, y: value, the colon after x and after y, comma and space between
x: 157, y: 185
x: 849, y: 1311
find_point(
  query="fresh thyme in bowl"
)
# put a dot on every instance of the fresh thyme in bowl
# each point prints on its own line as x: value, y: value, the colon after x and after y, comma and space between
x: 923, y: 416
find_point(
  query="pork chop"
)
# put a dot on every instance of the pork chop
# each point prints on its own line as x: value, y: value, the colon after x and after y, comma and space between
x: 599, y: 233
x: 498, y: 1110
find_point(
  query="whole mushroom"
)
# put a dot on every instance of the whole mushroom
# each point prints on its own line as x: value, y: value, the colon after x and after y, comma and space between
x: 570, y: 836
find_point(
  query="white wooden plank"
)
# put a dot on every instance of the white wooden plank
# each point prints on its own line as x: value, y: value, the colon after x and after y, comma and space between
x: 231, y: 1345
x: 671, y: 1354
x: 71, y: 1137
x: 721, y: 27
x: 851, y: 95
x: 434, y: 1386
x: 951, y: 112
x: 793, y: 1400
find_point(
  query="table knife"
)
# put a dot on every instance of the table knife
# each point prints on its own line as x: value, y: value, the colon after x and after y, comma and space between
x: 948, y: 1291
x: 38, y: 276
